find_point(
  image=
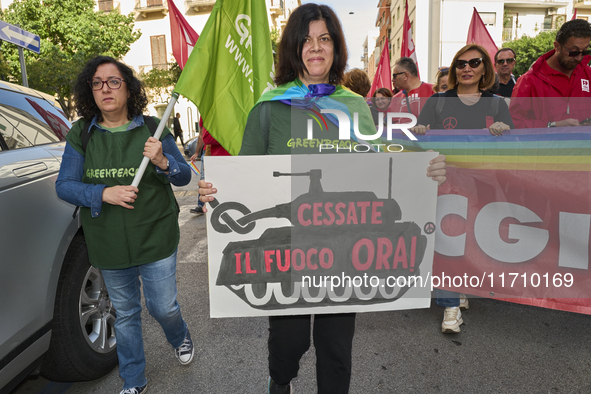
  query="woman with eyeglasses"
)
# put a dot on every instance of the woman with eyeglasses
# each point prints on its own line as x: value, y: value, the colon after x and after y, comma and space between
x: 467, y: 105
x: 130, y: 232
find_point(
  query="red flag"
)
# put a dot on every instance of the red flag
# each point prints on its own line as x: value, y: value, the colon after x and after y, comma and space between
x: 383, y: 77
x: 478, y: 34
x: 182, y: 35
x: 408, y: 45
x: 574, y: 15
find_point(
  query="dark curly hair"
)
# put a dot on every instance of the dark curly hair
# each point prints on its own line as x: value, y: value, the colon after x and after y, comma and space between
x: 85, y: 104
x: 291, y: 65
x: 578, y: 28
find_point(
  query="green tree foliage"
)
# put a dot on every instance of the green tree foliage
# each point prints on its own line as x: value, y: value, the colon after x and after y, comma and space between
x: 529, y: 49
x: 275, y: 39
x: 160, y: 83
x: 71, y: 33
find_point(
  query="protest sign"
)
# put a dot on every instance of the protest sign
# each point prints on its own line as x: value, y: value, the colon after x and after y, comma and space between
x: 330, y: 233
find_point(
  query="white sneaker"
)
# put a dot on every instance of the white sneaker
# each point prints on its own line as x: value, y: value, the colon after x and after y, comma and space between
x: 464, y: 304
x: 452, y: 320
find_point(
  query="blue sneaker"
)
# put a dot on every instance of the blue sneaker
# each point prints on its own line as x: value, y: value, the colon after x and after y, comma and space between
x: 135, y: 390
x: 198, y: 210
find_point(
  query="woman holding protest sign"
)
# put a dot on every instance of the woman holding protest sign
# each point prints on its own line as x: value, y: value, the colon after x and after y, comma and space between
x: 312, y: 60
x: 130, y: 232
x: 467, y: 106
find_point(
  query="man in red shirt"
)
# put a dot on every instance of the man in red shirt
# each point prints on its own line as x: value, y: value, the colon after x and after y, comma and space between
x: 413, y: 92
x: 562, y: 77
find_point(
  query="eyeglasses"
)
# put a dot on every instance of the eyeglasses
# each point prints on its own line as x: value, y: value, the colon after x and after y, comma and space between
x: 474, y: 63
x: 397, y: 74
x: 113, y: 83
x: 577, y: 53
x: 508, y: 61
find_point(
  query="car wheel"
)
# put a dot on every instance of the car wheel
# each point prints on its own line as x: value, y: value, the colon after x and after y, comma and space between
x: 83, y: 345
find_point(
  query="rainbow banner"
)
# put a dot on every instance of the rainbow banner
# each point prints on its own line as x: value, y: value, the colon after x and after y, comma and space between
x: 196, y: 168
x: 514, y: 217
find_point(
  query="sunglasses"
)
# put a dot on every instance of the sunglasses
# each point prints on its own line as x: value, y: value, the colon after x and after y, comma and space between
x: 397, y: 74
x: 473, y: 63
x: 508, y: 61
x: 577, y: 53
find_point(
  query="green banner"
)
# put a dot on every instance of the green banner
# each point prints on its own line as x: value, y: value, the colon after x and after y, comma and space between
x: 230, y: 67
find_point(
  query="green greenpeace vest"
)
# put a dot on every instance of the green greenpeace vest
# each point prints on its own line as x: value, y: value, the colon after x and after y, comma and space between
x: 120, y: 237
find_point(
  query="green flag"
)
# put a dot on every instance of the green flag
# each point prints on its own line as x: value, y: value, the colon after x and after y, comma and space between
x: 230, y: 67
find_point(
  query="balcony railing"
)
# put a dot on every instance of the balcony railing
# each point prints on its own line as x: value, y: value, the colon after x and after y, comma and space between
x: 145, y: 7
x: 199, y: 5
x: 582, y: 4
x: 147, y: 68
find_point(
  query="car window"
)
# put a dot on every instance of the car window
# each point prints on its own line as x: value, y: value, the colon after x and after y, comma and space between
x: 34, y: 130
x: 12, y: 138
x: 30, y: 120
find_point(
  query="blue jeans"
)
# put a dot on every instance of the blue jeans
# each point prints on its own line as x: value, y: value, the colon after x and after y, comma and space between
x: 159, y: 280
x: 447, y: 298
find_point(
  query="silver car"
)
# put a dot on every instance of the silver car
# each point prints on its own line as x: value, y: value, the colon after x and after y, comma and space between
x: 55, y: 313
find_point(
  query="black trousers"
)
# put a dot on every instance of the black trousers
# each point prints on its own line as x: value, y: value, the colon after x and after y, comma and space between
x: 289, y: 339
x: 179, y: 135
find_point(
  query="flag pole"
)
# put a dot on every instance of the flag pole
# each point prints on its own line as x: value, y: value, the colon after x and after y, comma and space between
x: 140, y: 173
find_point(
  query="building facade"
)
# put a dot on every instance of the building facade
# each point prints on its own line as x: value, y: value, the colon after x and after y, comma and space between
x: 440, y: 27
x: 154, y: 48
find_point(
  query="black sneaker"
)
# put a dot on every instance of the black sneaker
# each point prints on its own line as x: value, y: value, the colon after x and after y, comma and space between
x: 186, y: 351
x: 198, y: 210
x: 275, y: 388
x: 136, y: 390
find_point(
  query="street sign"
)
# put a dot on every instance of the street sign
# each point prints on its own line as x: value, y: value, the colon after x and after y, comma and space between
x: 20, y: 37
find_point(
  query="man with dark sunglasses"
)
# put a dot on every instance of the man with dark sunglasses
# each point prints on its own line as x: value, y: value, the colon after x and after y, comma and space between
x: 413, y: 92
x: 504, y: 65
x: 556, y: 91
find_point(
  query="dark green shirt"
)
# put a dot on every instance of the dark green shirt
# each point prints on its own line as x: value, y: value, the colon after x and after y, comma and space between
x: 121, y: 237
x: 287, y: 131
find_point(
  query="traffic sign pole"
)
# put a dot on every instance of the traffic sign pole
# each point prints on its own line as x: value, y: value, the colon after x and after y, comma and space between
x: 21, y: 57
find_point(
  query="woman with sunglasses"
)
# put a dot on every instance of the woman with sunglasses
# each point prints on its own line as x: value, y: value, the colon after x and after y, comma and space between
x: 468, y: 105
x: 130, y: 232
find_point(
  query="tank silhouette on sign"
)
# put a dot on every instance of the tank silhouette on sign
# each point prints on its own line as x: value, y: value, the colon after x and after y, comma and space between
x: 353, y: 236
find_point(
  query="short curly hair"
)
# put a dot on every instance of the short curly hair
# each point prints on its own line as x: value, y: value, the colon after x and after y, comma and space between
x: 358, y: 81
x: 85, y: 104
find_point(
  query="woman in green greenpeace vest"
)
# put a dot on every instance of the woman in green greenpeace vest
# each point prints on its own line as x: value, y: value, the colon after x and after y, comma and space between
x: 130, y: 232
x: 312, y: 61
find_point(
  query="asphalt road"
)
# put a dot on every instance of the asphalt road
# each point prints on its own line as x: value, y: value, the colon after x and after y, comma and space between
x: 502, y: 348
